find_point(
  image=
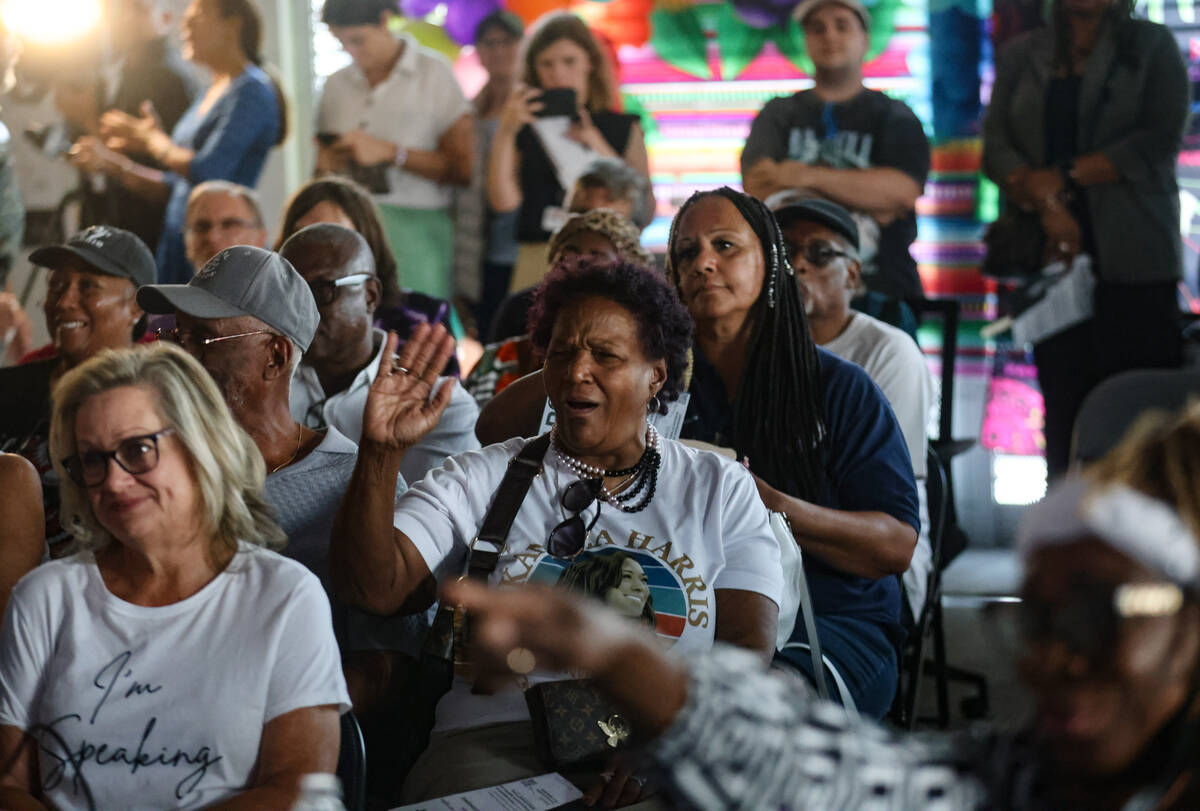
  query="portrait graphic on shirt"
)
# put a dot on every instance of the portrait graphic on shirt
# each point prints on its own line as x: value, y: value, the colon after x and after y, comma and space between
x: 632, y: 583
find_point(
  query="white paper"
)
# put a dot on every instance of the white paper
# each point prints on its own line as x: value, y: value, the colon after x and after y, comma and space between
x: 669, y: 425
x: 539, y: 793
x: 569, y: 157
x: 1067, y: 301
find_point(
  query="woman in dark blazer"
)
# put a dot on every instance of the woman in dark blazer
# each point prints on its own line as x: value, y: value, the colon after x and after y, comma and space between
x: 1084, y: 127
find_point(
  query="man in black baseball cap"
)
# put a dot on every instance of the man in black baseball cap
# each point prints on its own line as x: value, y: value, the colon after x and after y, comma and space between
x: 823, y: 244
x: 90, y: 306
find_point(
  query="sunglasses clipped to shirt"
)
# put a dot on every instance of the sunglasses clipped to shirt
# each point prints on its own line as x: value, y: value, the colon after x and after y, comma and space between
x: 568, y: 538
x: 134, y: 455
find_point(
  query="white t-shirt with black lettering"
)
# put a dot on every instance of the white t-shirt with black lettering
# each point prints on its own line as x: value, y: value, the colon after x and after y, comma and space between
x: 163, y: 707
x: 705, y: 529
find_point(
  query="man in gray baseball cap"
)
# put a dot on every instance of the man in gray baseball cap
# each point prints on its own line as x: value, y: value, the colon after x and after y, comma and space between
x: 247, y: 316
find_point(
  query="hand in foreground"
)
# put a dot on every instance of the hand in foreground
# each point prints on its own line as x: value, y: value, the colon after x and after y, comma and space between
x: 126, y: 133
x: 399, y: 409
x: 618, y: 786
x: 518, y: 629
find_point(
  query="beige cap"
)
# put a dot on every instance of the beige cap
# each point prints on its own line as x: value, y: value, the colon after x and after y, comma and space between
x: 807, y: 7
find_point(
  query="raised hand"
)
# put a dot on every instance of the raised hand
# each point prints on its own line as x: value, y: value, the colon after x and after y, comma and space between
x: 399, y: 409
x: 127, y: 133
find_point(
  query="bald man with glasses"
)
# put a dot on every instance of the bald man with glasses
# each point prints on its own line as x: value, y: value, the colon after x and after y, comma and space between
x: 330, y: 387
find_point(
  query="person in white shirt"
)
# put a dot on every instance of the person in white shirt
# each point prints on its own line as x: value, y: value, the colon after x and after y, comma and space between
x: 616, y: 339
x: 822, y: 239
x: 397, y: 121
x: 174, y: 662
x: 330, y: 386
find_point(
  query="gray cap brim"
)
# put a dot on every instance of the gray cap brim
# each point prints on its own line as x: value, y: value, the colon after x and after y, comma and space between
x: 166, y: 299
x: 55, y: 256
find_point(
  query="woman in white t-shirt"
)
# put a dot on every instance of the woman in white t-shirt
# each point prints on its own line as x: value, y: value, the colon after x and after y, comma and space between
x: 615, y: 338
x: 173, y: 662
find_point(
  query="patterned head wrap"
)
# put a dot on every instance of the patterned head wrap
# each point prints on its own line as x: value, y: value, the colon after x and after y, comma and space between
x: 618, y: 228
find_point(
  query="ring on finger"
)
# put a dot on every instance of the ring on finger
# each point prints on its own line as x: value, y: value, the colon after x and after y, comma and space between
x: 520, y: 661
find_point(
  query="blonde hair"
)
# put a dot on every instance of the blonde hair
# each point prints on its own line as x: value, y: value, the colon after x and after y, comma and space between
x: 226, y: 464
x: 564, y: 25
x: 1159, y: 456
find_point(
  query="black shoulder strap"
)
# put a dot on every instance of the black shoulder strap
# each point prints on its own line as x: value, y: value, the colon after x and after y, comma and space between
x: 450, y: 623
x: 500, y: 516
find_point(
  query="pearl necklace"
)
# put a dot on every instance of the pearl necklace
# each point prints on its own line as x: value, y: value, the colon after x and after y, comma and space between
x: 643, y: 473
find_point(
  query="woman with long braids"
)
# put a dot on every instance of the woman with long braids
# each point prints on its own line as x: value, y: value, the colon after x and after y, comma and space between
x: 819, y: 437
x: 615, y: 337
x: 1084, y: 128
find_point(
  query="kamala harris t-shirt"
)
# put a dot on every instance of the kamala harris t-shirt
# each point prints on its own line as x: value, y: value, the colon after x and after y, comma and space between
x: 705, y: 529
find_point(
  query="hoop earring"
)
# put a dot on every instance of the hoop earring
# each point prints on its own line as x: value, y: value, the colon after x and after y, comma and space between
x: 653, y: 406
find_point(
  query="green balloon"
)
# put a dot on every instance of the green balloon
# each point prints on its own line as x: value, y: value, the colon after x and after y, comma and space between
x: 678, y: 39
x: 739, y: 43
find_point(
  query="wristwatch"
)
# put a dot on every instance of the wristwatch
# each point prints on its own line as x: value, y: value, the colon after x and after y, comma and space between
x: 401, y: 157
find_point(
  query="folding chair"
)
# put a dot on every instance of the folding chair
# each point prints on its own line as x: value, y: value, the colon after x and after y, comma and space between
x: 352, y: 764
x: 1110, y: 409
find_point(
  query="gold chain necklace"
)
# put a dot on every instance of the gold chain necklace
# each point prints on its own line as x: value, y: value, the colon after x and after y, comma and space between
x: 290, y: 459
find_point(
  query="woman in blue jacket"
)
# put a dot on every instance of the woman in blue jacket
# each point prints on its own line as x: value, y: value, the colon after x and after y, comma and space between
x: 225, y: 135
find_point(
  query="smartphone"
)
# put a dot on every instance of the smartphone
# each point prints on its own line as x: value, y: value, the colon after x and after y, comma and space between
x: 327, y: 138
x: 559, y: 101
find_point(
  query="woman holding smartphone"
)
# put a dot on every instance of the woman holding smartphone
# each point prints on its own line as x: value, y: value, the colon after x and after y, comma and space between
x: 565, y: 73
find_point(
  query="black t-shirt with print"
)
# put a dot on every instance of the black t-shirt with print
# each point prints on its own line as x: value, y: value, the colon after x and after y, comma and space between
x: 870, y: 130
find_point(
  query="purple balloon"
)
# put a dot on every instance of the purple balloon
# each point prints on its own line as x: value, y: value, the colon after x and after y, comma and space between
x: 764, y: 13
x: 417, y: 8
x: 462, y: 16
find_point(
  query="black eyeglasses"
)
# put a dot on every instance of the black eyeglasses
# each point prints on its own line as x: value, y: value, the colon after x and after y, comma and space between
x: 137, y: 454
x: 819, y: 253
x: 569, y: 537
x: 325, y: 290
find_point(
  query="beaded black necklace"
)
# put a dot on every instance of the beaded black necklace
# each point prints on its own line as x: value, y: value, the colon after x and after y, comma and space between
x: 644, y: 471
